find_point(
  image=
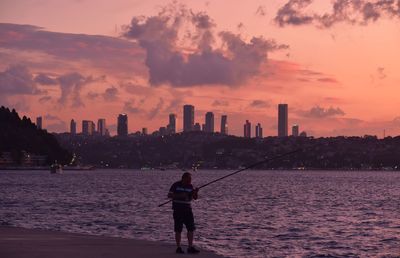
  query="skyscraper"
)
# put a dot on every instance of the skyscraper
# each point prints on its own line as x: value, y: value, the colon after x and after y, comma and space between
x: 295, y: 130
x: 101, y: 126
x: 172, y: 124
x: 122, y: 125
x: 259, y: 131
x: 88, y: 127
x: 39, y: 121
x: 224, y: 124
x: 73, y: 127
x: 188, y: 118
x: 247, y: 129
x: 282, y: 120
x: 209, y: 126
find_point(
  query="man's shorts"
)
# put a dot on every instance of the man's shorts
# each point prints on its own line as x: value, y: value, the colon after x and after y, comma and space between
x: 183, y: 217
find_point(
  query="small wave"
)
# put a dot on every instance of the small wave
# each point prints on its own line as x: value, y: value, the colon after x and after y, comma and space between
x: 392, y: 239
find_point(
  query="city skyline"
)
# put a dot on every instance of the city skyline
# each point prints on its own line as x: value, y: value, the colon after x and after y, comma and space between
x: 339, y: 77
x: 89, y: 128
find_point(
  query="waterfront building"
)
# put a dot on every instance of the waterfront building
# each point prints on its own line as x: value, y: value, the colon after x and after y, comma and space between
x: 247, y: 129
x: 283, y: 120
x: 162, y: 130
x: 209, y: 125
x: 171, y: 128
x: 101, y: 127
x: 224, y: 124
x: 259, y: 131
x: 122, y: 125
x: 88, y: 127
x: 295, y: 130
x: 188, y: 118
x: 197, y: 127
x: 73, y: 127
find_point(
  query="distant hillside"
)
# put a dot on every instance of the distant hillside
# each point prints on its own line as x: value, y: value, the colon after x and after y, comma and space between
x: 21, y: 135
x: 214, y: 150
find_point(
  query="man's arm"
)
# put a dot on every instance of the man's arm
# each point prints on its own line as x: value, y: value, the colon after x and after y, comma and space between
x: 170, y: 195
x: 195, y: 193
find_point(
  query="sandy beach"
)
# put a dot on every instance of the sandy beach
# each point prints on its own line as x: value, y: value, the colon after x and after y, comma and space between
x: 37, y: 243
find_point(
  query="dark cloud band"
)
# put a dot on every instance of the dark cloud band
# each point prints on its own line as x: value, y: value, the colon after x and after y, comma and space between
x: 360, y: 12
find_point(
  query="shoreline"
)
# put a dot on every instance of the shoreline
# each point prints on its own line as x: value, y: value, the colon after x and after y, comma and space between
x: 16, y: 242
x: 209, y: 169
x: 47, y: 168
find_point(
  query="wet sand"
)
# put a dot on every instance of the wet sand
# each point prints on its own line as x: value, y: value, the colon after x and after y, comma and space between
x: 37, y: 243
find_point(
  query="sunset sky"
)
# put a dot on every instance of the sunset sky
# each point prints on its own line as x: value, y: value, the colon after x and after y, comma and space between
x: 335, y: 63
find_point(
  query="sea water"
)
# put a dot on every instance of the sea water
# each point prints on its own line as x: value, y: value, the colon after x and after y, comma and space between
x: 251, y: 214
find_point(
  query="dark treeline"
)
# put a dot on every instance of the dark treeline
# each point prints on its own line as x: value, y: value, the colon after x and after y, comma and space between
x: 207, y: 150
x: 21, y: 135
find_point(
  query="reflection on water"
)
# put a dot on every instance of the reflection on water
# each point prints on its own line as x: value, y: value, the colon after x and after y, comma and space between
x: 252, y: 214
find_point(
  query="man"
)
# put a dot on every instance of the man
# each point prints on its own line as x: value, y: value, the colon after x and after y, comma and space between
x: 182, y: 193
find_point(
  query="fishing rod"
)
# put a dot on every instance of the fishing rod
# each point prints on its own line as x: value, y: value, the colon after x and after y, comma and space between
x: 243, y: 169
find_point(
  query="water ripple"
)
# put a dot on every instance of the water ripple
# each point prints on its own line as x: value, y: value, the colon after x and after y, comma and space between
x: 253, y: 214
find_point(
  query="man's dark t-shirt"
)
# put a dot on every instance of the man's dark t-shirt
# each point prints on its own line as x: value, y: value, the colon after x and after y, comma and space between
x: 182, y: 203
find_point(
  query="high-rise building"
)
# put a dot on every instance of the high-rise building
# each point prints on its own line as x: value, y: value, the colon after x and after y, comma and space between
x: 144, y: 131
x: 101, y: 126
x: 162, y: 130
x: 247, y: 129
x: 197, y: 127
x: 171, y: 128
x: 259, y: 131
x: 282, y: 120
x: 88, y: 127
x: 188, y: 118
x: 39, y: 121
x: 73, y: 127
x: 295, y: 130
x: 209, y: 125
x: 224, y: 124
x: 122, y: 125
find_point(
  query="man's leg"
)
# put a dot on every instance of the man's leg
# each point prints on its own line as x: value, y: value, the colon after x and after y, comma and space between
x: 178, y: 243
x: 190, y: 238
x: 191, y: 249
x: 190, y: 232
x: 178, y: 239
x: 178, y: 225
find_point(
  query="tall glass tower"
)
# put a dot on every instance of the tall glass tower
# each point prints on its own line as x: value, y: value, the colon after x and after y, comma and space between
x: 188, y: 118
x: 122, y: 126
x: 283, y: 120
